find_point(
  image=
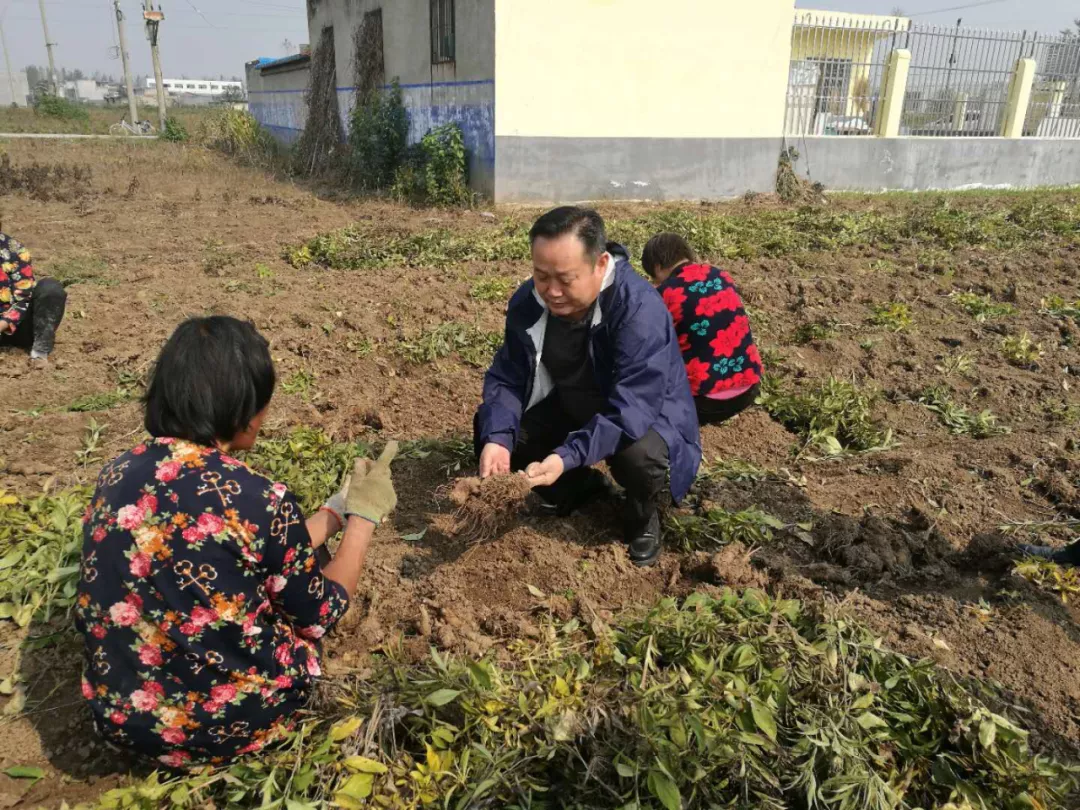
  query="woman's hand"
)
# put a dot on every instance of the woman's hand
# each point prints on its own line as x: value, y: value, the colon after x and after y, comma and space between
x: 371, y: 494
x: 338, y: 504
x: 545, y: 473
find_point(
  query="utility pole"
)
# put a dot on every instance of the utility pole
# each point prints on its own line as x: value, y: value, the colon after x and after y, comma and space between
x: 49, y: 47
x: 154, y: 18
x: 133, y: 109
x: 7, y: 64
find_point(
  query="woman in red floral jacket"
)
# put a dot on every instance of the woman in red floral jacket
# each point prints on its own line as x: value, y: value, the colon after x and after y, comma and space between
x: 722, y: 362
x: 201, y: 600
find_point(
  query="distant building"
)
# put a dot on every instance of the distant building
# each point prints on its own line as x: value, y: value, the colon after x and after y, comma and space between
x: 21, y: 86
x: 195, y: 87
x: 89, y: 91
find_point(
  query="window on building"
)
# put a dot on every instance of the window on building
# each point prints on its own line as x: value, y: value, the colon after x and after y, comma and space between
x: 442, y: 31
x: 204, y: 87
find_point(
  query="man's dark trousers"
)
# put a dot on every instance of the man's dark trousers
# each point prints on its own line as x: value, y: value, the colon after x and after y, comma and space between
x: 641, y: 467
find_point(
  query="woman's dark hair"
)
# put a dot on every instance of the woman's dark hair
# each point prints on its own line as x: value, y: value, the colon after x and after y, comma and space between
x: 210, y: 380
x: 664, y: 251
x: 584, y: 223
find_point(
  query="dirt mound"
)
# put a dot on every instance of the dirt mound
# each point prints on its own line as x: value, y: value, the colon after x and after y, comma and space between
x: 732, y: 566
x: 873, y: 548
x: 486, y: 508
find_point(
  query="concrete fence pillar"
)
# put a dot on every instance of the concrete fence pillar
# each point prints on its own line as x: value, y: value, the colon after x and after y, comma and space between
x: 1057, y: 98
x: 959, y: 114
x: 1016, y: 106
x: 887, y: 121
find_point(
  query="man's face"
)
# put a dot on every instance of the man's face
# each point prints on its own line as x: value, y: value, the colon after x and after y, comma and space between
x: 566, y: 277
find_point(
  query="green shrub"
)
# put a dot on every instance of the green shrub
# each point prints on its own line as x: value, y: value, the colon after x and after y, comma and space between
x: 56, y: 107
x: 957, y: 418
x: 1021, y: 350
x: 175, y: 132
x: 835, y: 416
x: 238, y: 134
x: 435, y: 170
x: 731, y: 700
x: 981, y: 307
x: 892, y: 315
x: 378, y: 137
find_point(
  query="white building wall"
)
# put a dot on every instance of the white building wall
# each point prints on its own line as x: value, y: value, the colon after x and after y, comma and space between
x: 22, y: 89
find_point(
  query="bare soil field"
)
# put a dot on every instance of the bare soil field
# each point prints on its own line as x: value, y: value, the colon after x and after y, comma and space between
x: 935, y: 331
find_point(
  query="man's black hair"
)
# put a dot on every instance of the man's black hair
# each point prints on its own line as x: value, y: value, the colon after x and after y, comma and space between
x: 584, y: 223
x: 210, y: 380
x: 664, y: 251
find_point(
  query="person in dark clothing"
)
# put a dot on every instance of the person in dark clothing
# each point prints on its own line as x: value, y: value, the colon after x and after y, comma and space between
x: 590, y: 371
x: 30, y: 309
x: 1067, y: 555
x: 723, y: 364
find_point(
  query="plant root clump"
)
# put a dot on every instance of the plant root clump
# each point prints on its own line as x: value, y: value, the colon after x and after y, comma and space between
x: 486, y: 509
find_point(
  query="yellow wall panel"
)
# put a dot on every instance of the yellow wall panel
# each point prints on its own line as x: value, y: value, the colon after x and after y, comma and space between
x: 641, y: 68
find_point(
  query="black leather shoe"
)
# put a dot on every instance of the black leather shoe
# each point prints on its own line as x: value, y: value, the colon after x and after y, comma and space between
x: 644, y: 543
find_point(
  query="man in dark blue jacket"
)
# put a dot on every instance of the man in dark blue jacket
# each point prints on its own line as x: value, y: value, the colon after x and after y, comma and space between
x: 590, y: 371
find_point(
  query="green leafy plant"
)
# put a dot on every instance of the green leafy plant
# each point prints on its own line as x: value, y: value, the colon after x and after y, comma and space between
x: 238, y: 134
x: 814, y: 331
x: 300, y: 382
x: 1021, y: 350
x: 892, y: 315
x: 54, y: 106
x: 1064, y: 580
x: 492, y: 289
x: 716, y: 528
x: 835, y: 416
x: 956, y: 364
x: 957, y: 418
x: 40, y: 547
x: 308, y: 461
x: 733, y: 700
x: 472, y: 344
x: 1057, y: 307
x: 175, y: 131
x: 981, y: 307
x: 83, y: 270
x: 435, y: 171
x: 378, y: 138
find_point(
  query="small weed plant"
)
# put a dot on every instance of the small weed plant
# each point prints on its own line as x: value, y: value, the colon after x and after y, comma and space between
x: 981, y: 307
x: 1021, y: 350
x: 719, y: 527
x: 300, y: 382
x: 955, y: 365
x: 815, y: 331
x: 175, y: 131
x: 493, y: 289
x: 83, y: 270
x: 892, y: 315
x: 1057, y: 307
x: 732, y: 700
x: 834, y: 417
x: 1063, y: 580
x: 958, y: 419
x: 472, y: 344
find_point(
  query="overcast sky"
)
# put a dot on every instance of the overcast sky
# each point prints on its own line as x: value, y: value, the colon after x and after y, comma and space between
x: 227, y: 33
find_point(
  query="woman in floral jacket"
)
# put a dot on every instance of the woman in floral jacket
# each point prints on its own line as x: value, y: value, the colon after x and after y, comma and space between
x: 201, y: 600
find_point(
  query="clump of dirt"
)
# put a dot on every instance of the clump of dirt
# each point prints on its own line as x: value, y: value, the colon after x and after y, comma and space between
x: 486, y: 508
x: 732, y: 566
x: 872, y: 547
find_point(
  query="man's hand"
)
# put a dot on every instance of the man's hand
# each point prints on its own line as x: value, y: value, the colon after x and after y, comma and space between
x: 494, y: 460
x: 545, y: 473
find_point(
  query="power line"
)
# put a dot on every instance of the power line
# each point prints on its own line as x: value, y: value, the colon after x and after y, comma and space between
x: 955, y: 8
x: 196, y: 10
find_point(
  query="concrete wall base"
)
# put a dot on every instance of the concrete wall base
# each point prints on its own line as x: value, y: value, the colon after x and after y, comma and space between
x: 549, y: 170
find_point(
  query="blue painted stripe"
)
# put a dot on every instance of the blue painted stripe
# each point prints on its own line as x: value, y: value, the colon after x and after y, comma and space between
x: 420, y: 86
x: 282, y: 127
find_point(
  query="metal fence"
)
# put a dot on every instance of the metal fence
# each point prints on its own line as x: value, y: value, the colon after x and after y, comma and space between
x: 958, y: 83
x: 837, y: 67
